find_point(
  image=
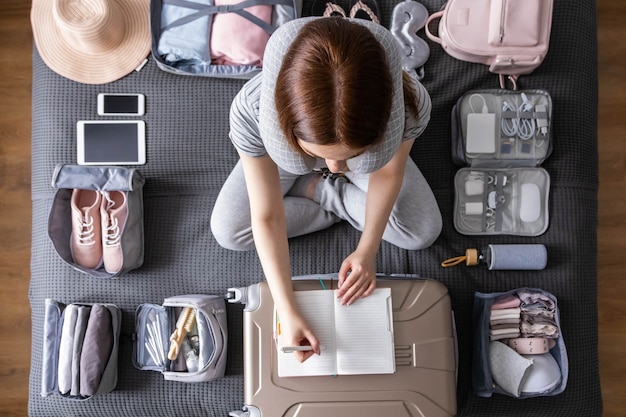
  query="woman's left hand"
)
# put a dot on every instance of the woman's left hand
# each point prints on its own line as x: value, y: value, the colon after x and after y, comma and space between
x: 357, y: 277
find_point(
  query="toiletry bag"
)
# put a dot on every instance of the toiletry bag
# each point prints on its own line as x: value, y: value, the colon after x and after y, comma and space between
x: 80, y: 349
x: 522, y: 360
x: 215, y: 38
x: 500, y: 137
x: 201, y: 353
x: 124, y: 234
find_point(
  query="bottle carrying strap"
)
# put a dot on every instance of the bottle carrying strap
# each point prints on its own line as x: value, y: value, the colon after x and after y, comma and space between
x: 470, y: 258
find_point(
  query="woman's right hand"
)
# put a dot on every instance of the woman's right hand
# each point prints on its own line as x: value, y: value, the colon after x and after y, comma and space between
x: 269, y: 228
x: 295, y: 331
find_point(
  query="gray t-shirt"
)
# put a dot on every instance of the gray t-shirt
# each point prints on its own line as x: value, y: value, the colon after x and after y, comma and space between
x: 244, y: 118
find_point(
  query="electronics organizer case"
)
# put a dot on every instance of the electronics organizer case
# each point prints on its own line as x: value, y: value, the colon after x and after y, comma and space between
x: 501, y: 137
x: 424, y: 383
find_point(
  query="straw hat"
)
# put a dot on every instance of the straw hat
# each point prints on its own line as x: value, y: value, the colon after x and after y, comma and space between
x: 92, y: 41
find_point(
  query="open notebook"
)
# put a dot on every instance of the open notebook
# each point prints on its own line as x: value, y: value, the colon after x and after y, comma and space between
x: 356, y: 339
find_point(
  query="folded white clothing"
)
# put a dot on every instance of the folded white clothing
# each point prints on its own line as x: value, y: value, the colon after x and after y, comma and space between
x: 66, y: 346
x: 508, y: 313
x: 505, y: 313
x: 79, y: 336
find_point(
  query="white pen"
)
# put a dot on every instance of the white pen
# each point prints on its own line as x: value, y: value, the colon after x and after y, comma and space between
x: 290, y: 349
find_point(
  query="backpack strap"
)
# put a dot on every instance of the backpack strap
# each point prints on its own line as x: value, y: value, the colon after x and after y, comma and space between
x: 436, y: 15
x: 238, y: 8
x: 511, y: 78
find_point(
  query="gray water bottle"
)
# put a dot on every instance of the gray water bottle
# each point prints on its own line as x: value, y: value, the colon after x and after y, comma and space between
x: 504, y: 257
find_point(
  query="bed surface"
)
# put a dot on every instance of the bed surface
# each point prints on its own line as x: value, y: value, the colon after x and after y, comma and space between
x: 189, y: 157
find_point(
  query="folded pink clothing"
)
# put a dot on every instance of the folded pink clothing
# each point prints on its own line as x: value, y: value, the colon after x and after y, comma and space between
x: 495, y: 322
x: 235, y: 40
x: 506, y: 301
x: 504, y: 335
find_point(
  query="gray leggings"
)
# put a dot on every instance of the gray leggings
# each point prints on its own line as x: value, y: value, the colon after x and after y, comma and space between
x: 415, y: 220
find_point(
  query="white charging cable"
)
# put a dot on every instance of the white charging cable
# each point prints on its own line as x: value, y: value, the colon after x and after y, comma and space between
x: 523, y: 128
x: 474, y: 222
x: 508, y: 125
x: 484, y: 108
x: 526, y: 126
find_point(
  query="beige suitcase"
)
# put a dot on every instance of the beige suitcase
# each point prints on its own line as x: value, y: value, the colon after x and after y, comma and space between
x: 424, y: 383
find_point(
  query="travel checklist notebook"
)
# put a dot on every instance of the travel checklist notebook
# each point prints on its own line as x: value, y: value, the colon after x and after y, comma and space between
x: 356, y: 339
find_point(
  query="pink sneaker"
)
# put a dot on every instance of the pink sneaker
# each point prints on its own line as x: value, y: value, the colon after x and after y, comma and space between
x: 113, y: 211
x: 86, y: 241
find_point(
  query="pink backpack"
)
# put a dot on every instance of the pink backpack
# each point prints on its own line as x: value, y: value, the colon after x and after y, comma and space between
x: 510, y: 36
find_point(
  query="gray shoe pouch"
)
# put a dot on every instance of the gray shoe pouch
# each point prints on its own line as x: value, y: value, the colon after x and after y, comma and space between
x: 155, y: 323
x: 407, y: 19
x: 53, y: 323
x: 500, y: 137
x: 68, y: 177
x: 483, y: 381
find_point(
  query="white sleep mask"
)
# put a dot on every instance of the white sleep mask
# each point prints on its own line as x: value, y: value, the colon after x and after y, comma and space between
x: 274, y: 140
x: 407, y: 19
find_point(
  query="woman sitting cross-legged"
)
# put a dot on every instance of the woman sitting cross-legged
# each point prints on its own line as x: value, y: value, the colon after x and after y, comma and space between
x: 324, y: 135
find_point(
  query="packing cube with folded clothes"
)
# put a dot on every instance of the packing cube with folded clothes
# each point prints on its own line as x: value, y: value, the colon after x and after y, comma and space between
x: 519, y: 350
x: 80, y: 349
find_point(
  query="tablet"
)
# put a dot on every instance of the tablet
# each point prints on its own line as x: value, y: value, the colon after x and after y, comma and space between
x: 111, y: 142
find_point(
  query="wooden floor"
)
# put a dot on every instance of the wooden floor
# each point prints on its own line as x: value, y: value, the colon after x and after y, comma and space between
x: 15, y: 205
